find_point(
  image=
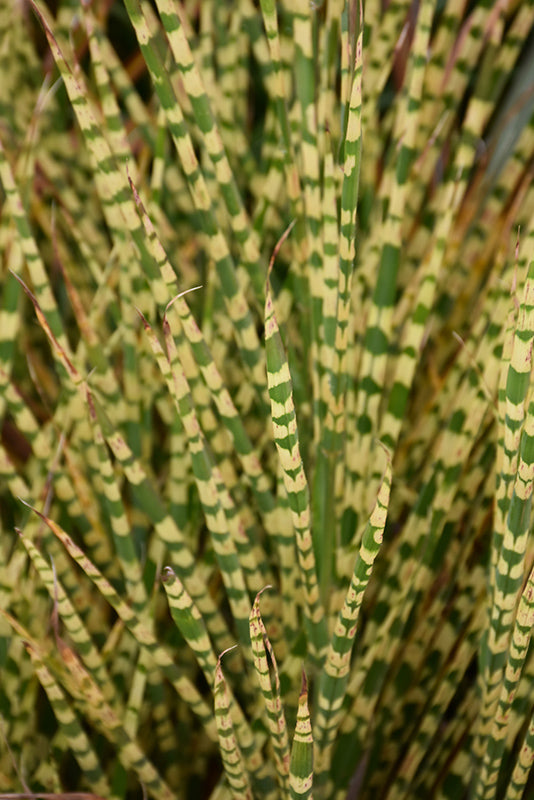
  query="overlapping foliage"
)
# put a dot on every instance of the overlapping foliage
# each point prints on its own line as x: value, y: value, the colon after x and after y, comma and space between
x: 267, y: 448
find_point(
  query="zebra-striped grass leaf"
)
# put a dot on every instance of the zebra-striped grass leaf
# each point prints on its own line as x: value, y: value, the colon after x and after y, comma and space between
x: 295, y: 481
x: 301, y: 765
x: 265, y: 664
x: 230, y: 753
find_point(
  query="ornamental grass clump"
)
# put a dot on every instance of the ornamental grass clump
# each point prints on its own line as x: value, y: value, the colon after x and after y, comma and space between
x: 267, y: 421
